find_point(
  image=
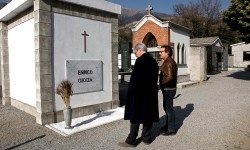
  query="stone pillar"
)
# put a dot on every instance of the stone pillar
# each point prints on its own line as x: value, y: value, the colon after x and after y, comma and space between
x: 198, y: 63
x: 115, y: 87
x: 43, y: 47
x: 225, y: 57
x: 4, y: 64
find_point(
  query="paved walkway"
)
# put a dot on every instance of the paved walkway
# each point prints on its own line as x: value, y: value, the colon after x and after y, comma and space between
x: 214, y: 115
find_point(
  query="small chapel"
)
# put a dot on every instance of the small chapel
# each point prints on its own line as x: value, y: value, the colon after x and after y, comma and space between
x: 155, y: 32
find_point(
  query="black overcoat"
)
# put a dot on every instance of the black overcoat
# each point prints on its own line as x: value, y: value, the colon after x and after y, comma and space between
x: 142, y: 99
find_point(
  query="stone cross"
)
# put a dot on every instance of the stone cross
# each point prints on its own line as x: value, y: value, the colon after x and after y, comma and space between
x: 85, y: 43
x: 149, y: 8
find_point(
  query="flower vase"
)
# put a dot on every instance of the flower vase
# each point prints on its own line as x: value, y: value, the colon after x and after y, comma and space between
x: 67, y: 114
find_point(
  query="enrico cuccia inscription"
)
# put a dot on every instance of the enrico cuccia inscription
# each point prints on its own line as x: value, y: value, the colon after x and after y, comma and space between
x: 86, y: 74
x: 85, y: 79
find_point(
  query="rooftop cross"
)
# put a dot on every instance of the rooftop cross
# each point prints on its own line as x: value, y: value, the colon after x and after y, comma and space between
x: 149, y: 8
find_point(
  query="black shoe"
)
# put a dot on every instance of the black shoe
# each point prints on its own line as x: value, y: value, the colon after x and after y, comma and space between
x: 147, y: 142
x: 164, y: 128
x: 138, y: 141
x: 167, y: 133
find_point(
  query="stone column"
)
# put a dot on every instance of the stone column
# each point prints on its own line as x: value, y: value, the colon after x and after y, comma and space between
x: 4, y: 64
x: 115, y: 87
x: 198, y: 64
x: 43, y: 48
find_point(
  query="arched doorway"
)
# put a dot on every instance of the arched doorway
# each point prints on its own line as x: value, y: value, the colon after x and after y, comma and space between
x: 150, y: 40
x: 151, y: 43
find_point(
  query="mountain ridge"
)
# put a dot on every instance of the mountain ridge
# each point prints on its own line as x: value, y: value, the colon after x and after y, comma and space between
x: 131, y: 16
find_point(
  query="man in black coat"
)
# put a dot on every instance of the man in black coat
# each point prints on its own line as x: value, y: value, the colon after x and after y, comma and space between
x: 142, y: 101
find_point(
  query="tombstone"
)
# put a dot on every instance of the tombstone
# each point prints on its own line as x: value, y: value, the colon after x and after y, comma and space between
x: 126, y: 49
x: 43, y: 42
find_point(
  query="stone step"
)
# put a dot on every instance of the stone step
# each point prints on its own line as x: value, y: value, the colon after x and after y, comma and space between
x: 183, y: 78
x: 186, y: 84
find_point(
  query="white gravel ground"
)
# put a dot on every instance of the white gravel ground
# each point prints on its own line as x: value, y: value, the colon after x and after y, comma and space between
x: 213, y: 115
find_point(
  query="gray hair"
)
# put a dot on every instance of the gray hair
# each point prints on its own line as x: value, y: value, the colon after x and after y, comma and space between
x: 141, y: 46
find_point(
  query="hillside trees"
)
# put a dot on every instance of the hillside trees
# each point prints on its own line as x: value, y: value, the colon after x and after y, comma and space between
x: 125, y: 34
x: 237, y: 16
x: 203, y: 18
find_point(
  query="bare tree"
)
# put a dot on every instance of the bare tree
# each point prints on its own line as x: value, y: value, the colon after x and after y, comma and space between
x: 201, y: 17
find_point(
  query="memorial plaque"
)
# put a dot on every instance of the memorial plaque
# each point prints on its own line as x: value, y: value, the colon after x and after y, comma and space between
x: 86, y: 75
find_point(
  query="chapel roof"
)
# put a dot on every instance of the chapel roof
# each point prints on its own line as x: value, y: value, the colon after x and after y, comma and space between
x: 236, y: 44
x: 159, y: 21
x: 203, y: 41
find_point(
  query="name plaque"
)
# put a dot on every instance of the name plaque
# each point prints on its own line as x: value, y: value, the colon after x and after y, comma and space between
x: 86, y: 75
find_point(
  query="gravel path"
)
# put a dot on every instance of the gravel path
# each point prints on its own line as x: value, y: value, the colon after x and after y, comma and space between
x: 213, y: 115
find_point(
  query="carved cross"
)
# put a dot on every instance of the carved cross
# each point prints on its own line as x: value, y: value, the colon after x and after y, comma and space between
x: 149, y: 8
x: 85, y: 43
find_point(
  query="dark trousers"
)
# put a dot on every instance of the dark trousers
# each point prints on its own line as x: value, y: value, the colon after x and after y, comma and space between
x: 168, y: 97
x: 146, y: 133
